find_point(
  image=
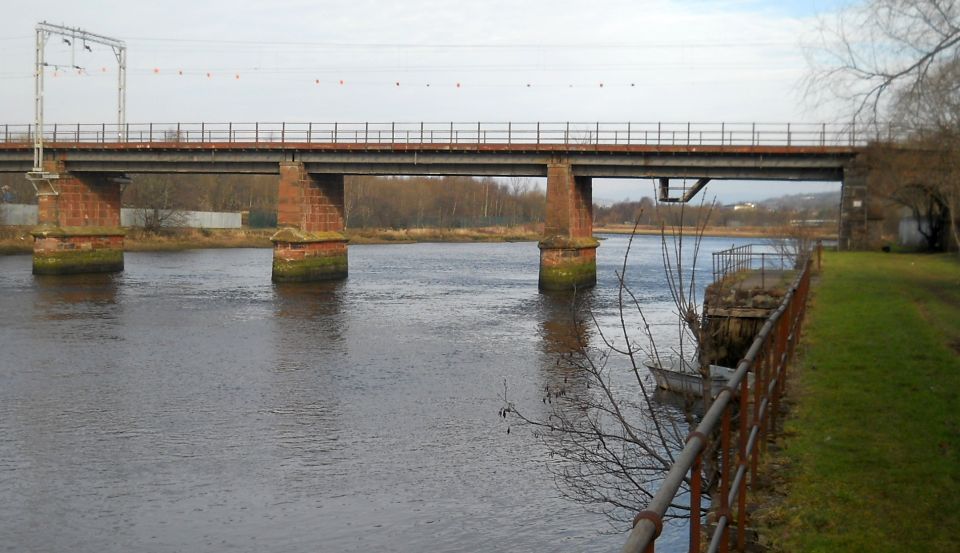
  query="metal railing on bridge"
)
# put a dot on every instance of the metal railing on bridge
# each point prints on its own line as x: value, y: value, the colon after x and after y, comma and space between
x: 462, y: 133
x: 755, y: 415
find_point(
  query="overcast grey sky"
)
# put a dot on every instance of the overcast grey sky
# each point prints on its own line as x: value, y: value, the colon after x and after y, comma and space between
x: 514, y: 60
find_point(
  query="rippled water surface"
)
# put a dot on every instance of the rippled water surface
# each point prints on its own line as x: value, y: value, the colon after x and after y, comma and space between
x: 188, y: 404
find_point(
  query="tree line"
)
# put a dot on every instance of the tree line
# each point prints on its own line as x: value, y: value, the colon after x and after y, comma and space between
x: 413, y: 202
x: 369, y: 202
x: 436, y: 202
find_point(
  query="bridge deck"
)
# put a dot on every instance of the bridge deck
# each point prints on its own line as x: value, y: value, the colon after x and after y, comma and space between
x: 629, y: 150
x: 728, y: 149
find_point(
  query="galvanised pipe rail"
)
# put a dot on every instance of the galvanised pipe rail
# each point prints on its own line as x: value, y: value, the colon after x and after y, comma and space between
x: 473, y: 133
x: 743, y: 258
x: 767, y: 359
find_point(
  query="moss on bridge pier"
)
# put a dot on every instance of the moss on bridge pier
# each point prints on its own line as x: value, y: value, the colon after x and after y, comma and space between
x: 75, y: 250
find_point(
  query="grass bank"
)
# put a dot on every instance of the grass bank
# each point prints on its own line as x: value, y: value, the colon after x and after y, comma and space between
x: 137, y: 240
x: 870, y: 457
x: 17, y: 240
x: 480, y: 234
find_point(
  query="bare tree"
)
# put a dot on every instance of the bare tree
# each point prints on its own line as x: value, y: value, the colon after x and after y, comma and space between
x: 931, y: 114
x: 870, y: 50
x: 899, y: 61
x: 794, y: 241
x: 613, y: 439
x: 158, y: 203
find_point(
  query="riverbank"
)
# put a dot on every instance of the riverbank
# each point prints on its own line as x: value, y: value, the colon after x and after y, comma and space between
x: 17, y: 240
x: 870, y: 454
x: 733, y: 232
x: 527, y: 233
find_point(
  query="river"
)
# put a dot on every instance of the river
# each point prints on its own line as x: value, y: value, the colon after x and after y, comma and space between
x: 188, y: 404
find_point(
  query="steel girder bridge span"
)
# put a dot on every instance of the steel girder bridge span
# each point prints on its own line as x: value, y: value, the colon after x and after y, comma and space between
x: 83, y: 168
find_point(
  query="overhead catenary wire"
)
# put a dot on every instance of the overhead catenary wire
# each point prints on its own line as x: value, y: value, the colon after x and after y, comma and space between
x: 549, y: 74
x: 467, y: 45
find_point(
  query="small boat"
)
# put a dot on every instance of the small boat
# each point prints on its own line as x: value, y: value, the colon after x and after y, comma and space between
x: 681, y: 376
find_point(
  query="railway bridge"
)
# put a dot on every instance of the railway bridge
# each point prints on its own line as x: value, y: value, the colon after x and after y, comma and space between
x: 79, y: 172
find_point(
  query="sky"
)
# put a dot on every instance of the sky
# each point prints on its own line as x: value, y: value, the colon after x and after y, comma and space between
x: 426, y: 60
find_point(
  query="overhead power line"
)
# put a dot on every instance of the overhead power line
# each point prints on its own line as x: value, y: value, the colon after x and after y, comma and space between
x: 478, y: 45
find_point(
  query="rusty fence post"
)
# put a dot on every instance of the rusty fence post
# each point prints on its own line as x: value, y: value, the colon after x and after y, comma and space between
x: 778, y: 374
x: 725, y: 475
x: 743, y: 464
x: 696, y: 481
x: 769, y: 376
x: 759, y: 393
x: 767, y: 362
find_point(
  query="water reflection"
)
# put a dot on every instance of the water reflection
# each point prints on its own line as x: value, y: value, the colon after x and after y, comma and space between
x: 87, y: 304
x: 566, y: 332
x: 565, y: 322
x: 55, y: 291
x: 301, y: 403
x: 308, y: 300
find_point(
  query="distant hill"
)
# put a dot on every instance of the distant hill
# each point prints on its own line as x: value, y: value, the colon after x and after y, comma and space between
x: 799, y: 202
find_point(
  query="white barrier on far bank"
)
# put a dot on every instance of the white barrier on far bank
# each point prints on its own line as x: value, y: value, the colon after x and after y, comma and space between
x: 26, y: 215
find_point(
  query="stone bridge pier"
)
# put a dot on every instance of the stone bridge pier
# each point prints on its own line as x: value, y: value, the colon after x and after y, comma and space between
x: 78, y: 223
x: 568, y: 251
x: 310, y: 244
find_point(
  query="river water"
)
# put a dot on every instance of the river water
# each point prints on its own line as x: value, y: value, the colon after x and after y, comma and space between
x: 188, y: 404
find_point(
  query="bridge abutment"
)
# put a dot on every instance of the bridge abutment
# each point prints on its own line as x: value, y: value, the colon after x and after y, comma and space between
x: 859, y: 225
x: 310, y: 245
x: 78, y: 223
x: 568, y: 250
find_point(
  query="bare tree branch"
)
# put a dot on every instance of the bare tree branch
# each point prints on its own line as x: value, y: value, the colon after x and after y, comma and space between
x: 612, y: 441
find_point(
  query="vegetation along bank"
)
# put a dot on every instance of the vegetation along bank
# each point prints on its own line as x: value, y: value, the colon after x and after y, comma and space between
x: 870, y: 455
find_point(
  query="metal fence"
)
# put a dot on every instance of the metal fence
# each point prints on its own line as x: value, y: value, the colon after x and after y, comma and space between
x: 134, y: 217
x: 755, y: 413
x: 18, y: 214
x: 26, y: 215
x: 747, y: 258
x: 474, y: 133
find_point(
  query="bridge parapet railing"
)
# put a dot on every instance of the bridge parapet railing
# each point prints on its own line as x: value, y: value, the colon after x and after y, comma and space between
x: 572, y: 134
x: 741, y: 412
x: 752, y: 257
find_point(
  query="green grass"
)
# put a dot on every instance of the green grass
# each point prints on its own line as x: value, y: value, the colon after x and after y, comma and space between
x: 873, y: 444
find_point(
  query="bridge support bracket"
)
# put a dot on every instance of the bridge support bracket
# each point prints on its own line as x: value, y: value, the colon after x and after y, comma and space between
x: 688, y: 193
x: 568, y: 263
x: 42, y: 182
x: 300, y: 256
